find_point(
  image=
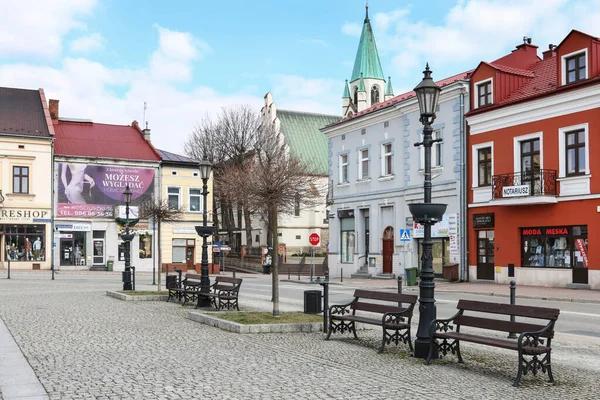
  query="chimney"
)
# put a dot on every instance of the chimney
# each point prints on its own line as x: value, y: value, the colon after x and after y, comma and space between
x: 146, y: 132
x: 53, y: 107
x: 550, y: 53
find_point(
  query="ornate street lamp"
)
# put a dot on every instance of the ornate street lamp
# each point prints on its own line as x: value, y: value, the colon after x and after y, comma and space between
x: 204, y: 231
x: 426, y: 213
x: 127, y: 238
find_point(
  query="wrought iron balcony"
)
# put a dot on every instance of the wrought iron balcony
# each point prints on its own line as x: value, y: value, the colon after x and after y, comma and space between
x: 524, y: 184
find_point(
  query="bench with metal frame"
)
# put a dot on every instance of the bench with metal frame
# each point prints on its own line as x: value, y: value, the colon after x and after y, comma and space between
x: 533, y: 344
x: 395, y: 315
x: 223, y: 294
x: 188, y: 289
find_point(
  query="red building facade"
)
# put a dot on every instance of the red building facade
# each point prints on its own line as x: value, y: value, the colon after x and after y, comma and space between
x: 534, y: 204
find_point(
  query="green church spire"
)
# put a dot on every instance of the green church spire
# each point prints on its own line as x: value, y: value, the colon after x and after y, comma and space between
x: 388, y: 90
x: 361, y: 84
x: 346, y: 91
x: 367, y: 58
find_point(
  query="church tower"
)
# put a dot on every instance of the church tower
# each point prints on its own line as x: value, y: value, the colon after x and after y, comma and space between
x: 367, y: 85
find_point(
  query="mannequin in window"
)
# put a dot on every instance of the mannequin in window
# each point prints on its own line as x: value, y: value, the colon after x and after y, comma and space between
x: 77, y: 254
x: 27, y: 255
x: 374, y: 95
x: 74, y: 187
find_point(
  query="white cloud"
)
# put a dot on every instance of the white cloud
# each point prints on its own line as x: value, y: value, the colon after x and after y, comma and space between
x: 36, y: 28
x: 294, y: 92
x: 352, y: 29
x: 476, y: 30
x: 88, y: 43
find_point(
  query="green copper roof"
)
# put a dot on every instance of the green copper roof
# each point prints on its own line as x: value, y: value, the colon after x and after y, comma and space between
x: 367, y: 58
x: 346, y: 91
x: 388, y: 90
x: 302, y: 134
x: 361, y: 84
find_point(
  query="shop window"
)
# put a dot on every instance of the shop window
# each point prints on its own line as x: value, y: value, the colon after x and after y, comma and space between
x: 440, y: 252
x: 25, y: 242
x: 178, y: 251
x: 21, y: 180
x: 348, y: 240
x: 485, y: 166
x: 145, y: 246
x: 554, y: 247
x: 196, y: 200
x: 173, y: 195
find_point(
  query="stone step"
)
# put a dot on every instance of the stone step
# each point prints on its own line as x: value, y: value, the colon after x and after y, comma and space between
x: 360, y: 275
x: 385, y: 276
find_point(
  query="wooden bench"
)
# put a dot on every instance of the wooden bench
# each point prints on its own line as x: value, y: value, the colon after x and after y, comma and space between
x: 534, y: 354
x: 189, y: 289
x: 223, y: 294
x: 394, y: 319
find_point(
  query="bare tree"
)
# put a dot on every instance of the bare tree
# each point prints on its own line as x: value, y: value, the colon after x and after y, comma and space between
x: 227, y: 140
x: 160, y: 212
x: 273, y: 180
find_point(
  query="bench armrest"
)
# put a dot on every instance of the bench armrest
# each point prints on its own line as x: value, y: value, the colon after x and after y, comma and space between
x: 444, y: 324
x: 341, y: 309
x: 396, y: 317
x: 532, y: 339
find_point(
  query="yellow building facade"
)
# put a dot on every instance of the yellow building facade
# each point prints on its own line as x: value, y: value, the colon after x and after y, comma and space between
x: 181, y: 187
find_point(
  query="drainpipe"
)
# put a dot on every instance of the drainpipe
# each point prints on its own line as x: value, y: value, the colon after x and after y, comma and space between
x: 52, y: 203
x: 464, y: 268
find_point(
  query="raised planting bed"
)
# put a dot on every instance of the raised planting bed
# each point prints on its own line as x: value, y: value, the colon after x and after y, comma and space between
x: 138, y: 295
x: 259, y: 322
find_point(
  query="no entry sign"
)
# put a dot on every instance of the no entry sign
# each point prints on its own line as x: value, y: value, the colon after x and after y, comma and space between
x: 314, y: 239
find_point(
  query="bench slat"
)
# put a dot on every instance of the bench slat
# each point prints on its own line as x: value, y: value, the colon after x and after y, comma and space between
x: 367, y: 320
x: 234, y: 281
x: 497, y: 325
x: 376, y: 308
x: 385, y: 296
x: 195, y: 277
x: 508, y: 309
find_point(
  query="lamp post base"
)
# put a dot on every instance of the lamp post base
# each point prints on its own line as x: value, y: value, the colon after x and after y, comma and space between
x: 422, y: 349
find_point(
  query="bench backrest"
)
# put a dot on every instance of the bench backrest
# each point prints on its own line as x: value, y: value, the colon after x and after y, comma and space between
x: 550, y: 315
x: 392, y: 299
x: 193, y: 277
x: 226, y: 283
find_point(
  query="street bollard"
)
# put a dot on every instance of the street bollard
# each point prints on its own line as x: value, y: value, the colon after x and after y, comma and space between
x: 399, y: 288
x: 513, y: 301
x: 311, y: 273
x: 8, y: 277
x: 341, y: 274
x: 289, y: 274
x: 133, y: 278
x: 233, y: 271
x: 298, y: 273
x: 325, y: 285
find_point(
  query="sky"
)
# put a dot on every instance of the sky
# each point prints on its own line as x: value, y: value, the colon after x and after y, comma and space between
x: 188, y: 59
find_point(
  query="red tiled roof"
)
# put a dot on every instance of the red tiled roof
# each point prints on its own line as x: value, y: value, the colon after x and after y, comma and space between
x: 22, y: 113
x: 544, y: 81
x: 87, y: 139
x: 398, y: 99
x: 511, y: 70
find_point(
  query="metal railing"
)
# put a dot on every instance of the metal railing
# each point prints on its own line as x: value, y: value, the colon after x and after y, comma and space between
x: 529, y: 183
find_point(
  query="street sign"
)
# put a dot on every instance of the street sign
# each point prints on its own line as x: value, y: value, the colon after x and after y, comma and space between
x: 405, y: 235
x: 217, y: 243
x: 225, y: 248
x: 215, y: 250
x: 314, y: 239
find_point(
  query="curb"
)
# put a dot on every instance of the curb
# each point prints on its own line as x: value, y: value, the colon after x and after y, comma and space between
x: 127, y: 297
x: 212, y: 319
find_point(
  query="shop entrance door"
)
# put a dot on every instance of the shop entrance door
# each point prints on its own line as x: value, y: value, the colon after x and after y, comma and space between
x: 580, y: 261
x: 485, y: 255
x: 190, y: 258
x: 388, y: 249
x: 98, y: 251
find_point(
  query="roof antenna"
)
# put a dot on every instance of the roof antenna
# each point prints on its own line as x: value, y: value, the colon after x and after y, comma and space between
x: 367, y: 8
x: 144, y: 123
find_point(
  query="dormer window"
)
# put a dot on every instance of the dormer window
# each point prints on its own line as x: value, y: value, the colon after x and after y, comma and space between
x: 484, y: 94
x: 374, y: 95
x: 575, y: 68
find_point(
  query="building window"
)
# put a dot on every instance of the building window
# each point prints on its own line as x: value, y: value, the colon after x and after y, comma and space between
x: 173, y: 194
x: 21, y: 180
x: 387, y: 159
x: 485, y: 166
x: 344, y: 168
x: 363, y: 131
x: 348, y: 240
x: 195, y: 173
x: 363, y: 165
x: 575, y: 67
x: 25, y: 242
x: 343, y: 137
x: 178, y: 251
x: 355, y: 94
x: 145, y: 245
x: 530, y: 161
x: 196, y: 200
x: 374, y: 95
x: 575, y: 153
x: 484, y: 94
x: 173, y: 172
x: 386, y: 124
x: 559, y: 247
x: 298, y: 237
x: 297, y: 205
x: 436, y: 151
x: 280, y: 234
x: 257, y: 239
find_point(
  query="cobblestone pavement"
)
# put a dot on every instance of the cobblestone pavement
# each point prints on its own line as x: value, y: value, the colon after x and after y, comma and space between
x: 83, y: 344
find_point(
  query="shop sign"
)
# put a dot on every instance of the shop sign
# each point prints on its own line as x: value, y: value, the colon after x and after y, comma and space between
x: 441, y: 229
x: 582, y: 248
x: 185, y: 230
x: 515, y: 191
x: 73, y: 227
x: 92, y: 190
x: 345, y: 213
x: 24, y: 215
x: 483, y: 220
x: 549, y: 231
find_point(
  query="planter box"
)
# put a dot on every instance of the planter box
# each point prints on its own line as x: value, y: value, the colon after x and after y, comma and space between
x: 450, y: 272
x: 212, y: 319
x: 127, y: 297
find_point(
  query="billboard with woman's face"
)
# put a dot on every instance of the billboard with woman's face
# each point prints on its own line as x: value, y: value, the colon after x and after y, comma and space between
x: 90, y: 190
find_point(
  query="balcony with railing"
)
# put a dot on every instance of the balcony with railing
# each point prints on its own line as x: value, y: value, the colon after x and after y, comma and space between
x: 528, y: 187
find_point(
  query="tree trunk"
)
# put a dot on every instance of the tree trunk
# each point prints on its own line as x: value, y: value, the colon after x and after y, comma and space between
x: 159, y: 245
x: 269, y: 230
x: 230, y: 225
x: 275, y: 273
x: 248, y: 226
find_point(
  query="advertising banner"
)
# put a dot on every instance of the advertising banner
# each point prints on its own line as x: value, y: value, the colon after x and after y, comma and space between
x: 92, y: 191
